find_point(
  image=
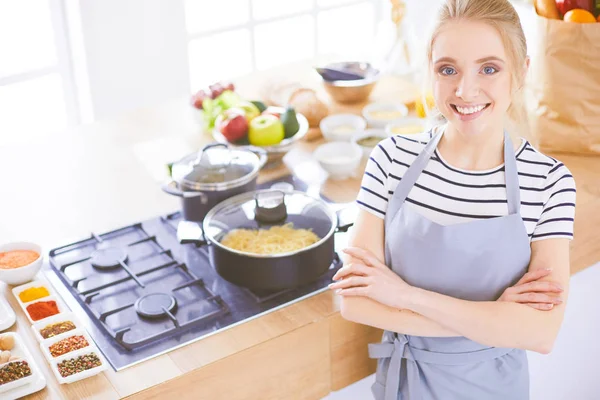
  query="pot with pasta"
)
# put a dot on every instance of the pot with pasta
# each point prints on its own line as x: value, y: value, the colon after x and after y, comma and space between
x: 271, y: 239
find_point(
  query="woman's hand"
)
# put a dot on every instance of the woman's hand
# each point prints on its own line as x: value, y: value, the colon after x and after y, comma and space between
x: 533, y: 292
x: 366, y: 276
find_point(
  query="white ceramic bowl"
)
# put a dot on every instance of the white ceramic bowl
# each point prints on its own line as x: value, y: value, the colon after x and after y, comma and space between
x: 378, y: 133
x: 26, y: 273
x: 378, y: 115
x: 407, y: 126
x: 340, y: 159
x: 341, y: 127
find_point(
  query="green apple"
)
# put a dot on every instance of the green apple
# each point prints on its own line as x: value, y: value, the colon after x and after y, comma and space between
x: 250, y: 109
x: 265, y: 130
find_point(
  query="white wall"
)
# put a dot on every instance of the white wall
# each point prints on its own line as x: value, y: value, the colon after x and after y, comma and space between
x: 135, y: 54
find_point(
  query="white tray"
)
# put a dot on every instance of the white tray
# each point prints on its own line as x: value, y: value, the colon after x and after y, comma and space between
x: 45, y: 345
x: 61, y: 307
x: 62, y: 317
x: 27, y: 385
x: 81, y: 375
x: 38, y: 282
x: 7, y: 314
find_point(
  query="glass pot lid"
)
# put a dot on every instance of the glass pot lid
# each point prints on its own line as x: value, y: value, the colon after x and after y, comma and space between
x: 216, y: 167
x: 263, y: 209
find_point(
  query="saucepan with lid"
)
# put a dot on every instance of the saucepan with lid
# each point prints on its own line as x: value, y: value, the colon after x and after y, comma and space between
x: 272, y: 239
x: 215, y: 173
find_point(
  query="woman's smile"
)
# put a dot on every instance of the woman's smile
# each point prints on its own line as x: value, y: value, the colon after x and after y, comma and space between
x: 469, y: 112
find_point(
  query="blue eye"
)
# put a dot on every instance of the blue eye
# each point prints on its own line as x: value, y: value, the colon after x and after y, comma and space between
x: 489, y: 70
x: 447, y: 71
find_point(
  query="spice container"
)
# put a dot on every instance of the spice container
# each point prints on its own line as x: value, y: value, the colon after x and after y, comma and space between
x: 32, y: 291
x: 57, y: 325
x: 78, y: 365
x: 41, y: 309
x: 66, y: 343
x: 21, y: 375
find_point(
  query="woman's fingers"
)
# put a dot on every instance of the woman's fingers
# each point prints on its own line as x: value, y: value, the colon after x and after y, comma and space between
x: 533, y: 276
x: 536, y: 298
x: 364, y: 255
x: 355, y: 291
x: 540, y: 306
x: 351, y: 269
x: 538, y: 286
x: 353, y: 281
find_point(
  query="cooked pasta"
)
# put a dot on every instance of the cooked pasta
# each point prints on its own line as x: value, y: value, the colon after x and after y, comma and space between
x: 275, y: 240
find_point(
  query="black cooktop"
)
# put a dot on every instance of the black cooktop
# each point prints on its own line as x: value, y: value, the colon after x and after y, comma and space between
x: 140, y: 293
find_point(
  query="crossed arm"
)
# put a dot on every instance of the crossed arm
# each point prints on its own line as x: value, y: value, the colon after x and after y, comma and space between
x: 419, y: 312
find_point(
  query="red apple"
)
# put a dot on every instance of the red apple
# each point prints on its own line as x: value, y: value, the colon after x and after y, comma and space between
x: 567, y: 5
x: 233, y: 124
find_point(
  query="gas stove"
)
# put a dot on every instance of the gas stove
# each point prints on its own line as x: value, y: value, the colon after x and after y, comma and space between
x: 141, y: 293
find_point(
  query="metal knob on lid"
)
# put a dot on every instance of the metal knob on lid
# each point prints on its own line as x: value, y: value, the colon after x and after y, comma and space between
x: 270, y: 206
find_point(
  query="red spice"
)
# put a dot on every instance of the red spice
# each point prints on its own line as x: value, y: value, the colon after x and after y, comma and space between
x: 42, y: 309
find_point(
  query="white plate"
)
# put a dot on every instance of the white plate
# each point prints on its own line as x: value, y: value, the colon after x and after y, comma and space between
x: 61, y: 307
x: 62, y: 317
x: 81, y: 375
x: 27, y: 385
x: 7, y: 314
x: 45, y: 345
x: 37, y: 283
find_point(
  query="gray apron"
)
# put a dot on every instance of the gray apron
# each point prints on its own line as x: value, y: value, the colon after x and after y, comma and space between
x: 475, y: 261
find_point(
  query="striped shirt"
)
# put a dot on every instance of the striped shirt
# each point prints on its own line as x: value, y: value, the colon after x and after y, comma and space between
x: 448, y: 195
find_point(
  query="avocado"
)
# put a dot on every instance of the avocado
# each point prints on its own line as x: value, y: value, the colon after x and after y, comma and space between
x: 260, y: 105
x: 290, y: 122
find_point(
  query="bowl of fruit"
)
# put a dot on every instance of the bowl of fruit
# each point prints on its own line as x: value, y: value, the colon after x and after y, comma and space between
x: 236, y: 121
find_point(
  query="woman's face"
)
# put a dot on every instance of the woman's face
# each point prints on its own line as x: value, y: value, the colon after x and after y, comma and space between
x: 472, y: 79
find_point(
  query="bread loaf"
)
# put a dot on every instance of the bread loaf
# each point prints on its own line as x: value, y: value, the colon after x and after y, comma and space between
x: 306, y: 102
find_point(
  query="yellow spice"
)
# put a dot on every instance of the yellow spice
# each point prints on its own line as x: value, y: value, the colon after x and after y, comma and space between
x: 33, y: 293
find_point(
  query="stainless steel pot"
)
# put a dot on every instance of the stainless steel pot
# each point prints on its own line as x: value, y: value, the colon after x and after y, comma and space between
x: 216, y: 173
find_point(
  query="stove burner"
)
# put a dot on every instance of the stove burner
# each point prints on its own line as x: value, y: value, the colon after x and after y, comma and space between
x: 155, y: 305
x: 108, y: 257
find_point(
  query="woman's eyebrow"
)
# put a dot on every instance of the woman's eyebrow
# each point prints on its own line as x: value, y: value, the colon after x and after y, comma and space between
x: 481, y: 60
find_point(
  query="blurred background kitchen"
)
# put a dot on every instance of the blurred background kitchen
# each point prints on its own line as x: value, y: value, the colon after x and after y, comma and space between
x: 69, y: 62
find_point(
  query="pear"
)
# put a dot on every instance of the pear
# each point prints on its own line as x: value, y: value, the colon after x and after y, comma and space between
x: 290, y: 122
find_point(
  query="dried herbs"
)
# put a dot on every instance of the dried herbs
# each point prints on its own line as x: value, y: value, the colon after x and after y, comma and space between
x: 13, y: 371
x: 67, y: 345
x: 56, y: 329
x: 79, y: 364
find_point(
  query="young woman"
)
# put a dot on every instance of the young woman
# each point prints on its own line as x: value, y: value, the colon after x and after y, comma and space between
x: 461, y: 248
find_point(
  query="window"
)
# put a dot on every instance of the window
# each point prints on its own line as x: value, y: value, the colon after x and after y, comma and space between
x: 230, y: 38
x: 36, y: 96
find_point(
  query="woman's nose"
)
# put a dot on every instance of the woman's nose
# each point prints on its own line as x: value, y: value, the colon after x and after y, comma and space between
x: 468, y: 88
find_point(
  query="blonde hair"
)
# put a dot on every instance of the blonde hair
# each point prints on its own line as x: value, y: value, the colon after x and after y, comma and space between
x: 501, y: 15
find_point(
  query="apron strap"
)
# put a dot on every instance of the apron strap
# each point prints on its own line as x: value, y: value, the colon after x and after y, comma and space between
x: 410, y: 177
x: 511, y: 176
x: 397, y: 347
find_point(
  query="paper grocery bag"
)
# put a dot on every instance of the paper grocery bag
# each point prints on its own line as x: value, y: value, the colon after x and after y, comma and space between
x: 564, y: 87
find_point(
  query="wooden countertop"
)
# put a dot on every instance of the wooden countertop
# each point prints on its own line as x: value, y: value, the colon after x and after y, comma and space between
x: 105, y: 175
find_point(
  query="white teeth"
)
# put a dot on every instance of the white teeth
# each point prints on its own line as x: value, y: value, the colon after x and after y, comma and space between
x: 470, y: 110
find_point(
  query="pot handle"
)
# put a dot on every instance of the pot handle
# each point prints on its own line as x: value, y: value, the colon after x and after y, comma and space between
x: 171, y: 188
x: 346, y: 217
